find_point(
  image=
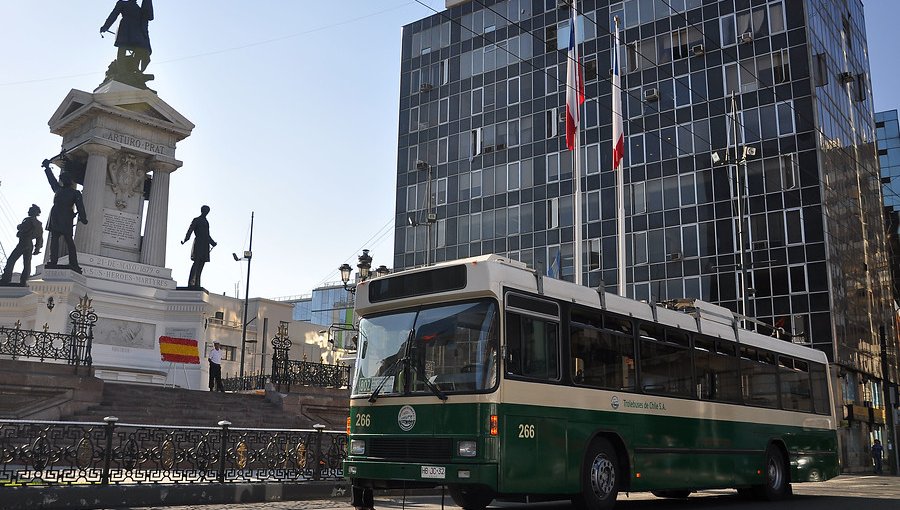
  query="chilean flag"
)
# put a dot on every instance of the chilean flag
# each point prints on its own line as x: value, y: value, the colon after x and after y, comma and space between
x: 617, y: 135
x: 574, y: 82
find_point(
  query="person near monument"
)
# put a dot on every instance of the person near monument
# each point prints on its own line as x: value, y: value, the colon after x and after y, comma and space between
x: 215, y: 368
x: 66, y: 200
x: 133, y: 33
x: 203, y: 243
x: 31, y: 239
x: 877, y: 456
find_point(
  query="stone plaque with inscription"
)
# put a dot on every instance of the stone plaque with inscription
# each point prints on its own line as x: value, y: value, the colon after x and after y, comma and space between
x: 121, y: 229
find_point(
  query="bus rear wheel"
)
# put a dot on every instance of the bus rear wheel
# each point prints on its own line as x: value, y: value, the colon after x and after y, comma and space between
x: 600, y: 477
x: 471, y: 497
x: 776, y: 485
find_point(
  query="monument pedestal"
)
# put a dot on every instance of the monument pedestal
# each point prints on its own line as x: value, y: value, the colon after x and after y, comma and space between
x: 119, y: 143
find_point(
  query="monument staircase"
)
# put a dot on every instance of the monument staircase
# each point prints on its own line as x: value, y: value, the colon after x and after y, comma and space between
x: 155, y: 405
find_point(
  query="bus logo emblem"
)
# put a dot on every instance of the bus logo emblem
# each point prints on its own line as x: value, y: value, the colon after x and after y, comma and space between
x: 615, y: 402
x: 406, y: 418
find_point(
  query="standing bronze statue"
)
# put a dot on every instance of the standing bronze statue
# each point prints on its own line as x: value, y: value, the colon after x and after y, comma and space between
x: 133, y: 36
x: 203, y: 244
x: 31, y: 237
x: 66, y: 200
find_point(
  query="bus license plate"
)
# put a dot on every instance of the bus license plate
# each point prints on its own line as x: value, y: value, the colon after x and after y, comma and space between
x: 434, y: 472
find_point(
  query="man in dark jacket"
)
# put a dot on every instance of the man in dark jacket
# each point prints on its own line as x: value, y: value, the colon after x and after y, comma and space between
x: 203, y: 243
x: 66, y: 200
x: 31, y: 237
x: 133, y: 32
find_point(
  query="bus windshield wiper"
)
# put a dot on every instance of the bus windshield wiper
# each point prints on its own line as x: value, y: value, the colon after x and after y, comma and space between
x: 433, y: 387
x: 402, y: 361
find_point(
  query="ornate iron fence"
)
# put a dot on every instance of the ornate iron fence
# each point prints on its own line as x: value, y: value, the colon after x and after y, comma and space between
x: 74, y: 348
x: 65, y: 453
x: 247, y: 383
x: 287, y: 372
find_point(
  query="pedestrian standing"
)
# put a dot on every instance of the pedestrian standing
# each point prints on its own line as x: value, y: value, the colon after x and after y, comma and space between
x: 215, y: 368
x: 877, y: 456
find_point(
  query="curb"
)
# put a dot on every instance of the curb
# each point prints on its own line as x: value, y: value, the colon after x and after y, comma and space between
x: 113, y: 496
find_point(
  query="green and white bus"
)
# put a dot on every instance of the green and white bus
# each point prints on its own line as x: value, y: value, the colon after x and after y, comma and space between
x: 485, y: 377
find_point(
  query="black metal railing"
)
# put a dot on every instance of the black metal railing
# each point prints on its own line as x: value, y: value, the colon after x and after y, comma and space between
x: 249, y: 382
x: 45, y: 453
x: 303, y: 373
x: 74, y: 348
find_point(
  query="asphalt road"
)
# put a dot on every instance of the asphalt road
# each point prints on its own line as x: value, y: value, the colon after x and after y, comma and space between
x: 844, y: 492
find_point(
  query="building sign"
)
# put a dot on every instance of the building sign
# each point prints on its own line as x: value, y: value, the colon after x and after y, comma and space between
x: 179, y: 350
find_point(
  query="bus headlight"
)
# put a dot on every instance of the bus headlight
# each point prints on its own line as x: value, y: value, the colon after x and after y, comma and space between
x: 357, y: 447
x: 467, y: 449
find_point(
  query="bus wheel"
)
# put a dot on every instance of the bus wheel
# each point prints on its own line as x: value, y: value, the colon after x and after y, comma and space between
x: 674, y: 494
x: 471, y: 497
x: 776, y: 486
x: 600, y: 477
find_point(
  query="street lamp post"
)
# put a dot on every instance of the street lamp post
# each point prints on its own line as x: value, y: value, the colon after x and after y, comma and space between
x: 248, y: 256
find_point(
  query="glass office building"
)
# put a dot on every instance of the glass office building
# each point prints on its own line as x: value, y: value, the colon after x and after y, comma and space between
x: 483, y: 166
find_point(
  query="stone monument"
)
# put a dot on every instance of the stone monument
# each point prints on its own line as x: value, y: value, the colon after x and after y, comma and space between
x: 119, y: 143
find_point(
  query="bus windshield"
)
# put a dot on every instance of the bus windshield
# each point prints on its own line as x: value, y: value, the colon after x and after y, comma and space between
x: 443, y: 349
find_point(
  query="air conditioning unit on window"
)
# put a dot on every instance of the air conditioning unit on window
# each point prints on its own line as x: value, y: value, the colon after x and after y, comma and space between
x: 488, y: 148
x: 501, y: 146
x: 698, y: 49
x: 760, y: 245
x: 425, y: 87
x: 845, y: 77
x: 747, y: 37
x: 675, y: 256
x: 651, y: 94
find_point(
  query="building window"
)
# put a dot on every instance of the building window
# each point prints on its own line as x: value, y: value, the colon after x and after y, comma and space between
x: 590, y: 70
x: 475, y: 142
x: 640, y: 248
x: 728, y: 30
x: 776, y: 17
x: 440, y: 191
x: 730, y: 76
x: 413, y: 119
x: 682, y: 90
x: 442, y: 155
x: 551, y: 80
x: 512, y: 220
x: 790, y: 172
x: 477, y: 100
x: 553, y: 213
x: 781, y: 67
x: 551, y: 117
x: 820, y: 69
x: 550, y: 39
x: 590, y: 157
x: 475, y: 226
x: 444, y: 110
x: 513, y: 177
x: 476, y: 184
x: 593, y: 206
x: 638, y: 198
x: 785, y: 112
x: 512, y: 91
x: 553, y: 167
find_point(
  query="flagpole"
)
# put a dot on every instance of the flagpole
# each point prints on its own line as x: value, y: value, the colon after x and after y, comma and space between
x: 574, y: 101
x: 619, y: 161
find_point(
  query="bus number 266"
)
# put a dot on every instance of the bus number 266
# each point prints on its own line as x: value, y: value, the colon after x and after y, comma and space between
x: 526, y: 431
x: 363, y: 420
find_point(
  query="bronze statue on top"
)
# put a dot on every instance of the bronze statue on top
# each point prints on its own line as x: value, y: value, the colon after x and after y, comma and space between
x: 203, y: 244
x: 31, y: 237
x: 66, y: 200
x: 133, y: 41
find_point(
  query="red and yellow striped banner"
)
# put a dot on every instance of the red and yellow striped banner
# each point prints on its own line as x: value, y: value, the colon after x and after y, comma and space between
x: 179, y: 350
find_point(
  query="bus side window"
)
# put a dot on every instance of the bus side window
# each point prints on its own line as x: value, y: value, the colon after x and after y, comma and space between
x: 533, y: 347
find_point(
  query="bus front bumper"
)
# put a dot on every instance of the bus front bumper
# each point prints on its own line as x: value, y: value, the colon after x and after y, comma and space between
x: 387, y: 475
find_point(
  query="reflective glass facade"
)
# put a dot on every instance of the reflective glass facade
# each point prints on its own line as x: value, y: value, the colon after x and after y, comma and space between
x: 482, y: 148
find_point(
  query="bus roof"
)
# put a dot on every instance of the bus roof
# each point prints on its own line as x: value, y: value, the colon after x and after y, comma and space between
x: 492, y: 275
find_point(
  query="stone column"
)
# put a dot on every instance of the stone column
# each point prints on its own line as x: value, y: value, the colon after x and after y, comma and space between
x: 87, y: 237
x: 153, y: 246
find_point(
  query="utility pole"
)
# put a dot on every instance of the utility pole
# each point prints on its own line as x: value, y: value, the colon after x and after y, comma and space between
x: 249, y: 256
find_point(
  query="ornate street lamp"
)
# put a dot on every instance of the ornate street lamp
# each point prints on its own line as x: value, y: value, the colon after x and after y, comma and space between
x: 364, y: 271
